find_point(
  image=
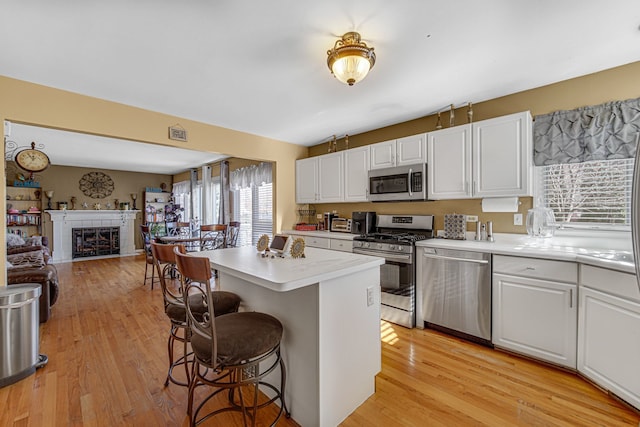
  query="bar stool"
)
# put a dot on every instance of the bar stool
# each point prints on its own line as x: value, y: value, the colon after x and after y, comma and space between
x: 174, y: 307
x: 147, y: 239
x: 231, y: 352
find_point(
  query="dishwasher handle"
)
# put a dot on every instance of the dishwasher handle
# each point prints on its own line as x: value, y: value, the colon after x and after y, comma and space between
x: 451, y: 258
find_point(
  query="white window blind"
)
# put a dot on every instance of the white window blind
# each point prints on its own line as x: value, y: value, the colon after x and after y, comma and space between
x: 591, y: 193
x: 253, y: 207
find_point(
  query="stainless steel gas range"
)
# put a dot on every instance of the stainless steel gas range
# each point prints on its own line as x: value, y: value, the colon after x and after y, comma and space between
x: 394, y: 240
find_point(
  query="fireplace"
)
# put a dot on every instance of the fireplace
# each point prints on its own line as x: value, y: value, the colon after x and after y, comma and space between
x: 95, y: 241
x: 64, y: 222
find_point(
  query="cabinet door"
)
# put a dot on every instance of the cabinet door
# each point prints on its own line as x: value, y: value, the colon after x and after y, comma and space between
x: 502, y: 156
x: 330, y: 178
x: 609, y: 343
x: 411, y: 150
x: 307, y: 180
x: 356, y: 169
x: 383, y: 154
x: 535, y: 317
x: 341, y: 245
x: 449, y: 163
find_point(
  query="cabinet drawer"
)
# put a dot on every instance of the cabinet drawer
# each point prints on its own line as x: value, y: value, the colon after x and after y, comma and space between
x: 610, y: 281
x: 562, y: 271
x: 341, y: 245
x: 317, y: 242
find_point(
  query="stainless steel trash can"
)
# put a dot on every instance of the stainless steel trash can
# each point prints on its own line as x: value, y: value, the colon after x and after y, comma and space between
x: 19, y: 333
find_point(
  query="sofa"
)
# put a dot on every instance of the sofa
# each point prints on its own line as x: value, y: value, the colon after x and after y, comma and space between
x: 28, y: 261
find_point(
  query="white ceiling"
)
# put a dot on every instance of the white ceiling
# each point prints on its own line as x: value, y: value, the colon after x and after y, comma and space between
x: 260, y: 66
x: 70, y: 149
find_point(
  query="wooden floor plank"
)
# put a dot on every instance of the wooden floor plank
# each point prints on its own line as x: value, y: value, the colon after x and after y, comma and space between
x: 106, y: 343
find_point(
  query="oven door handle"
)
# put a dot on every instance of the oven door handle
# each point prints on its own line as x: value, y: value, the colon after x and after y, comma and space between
x: 450, y: 258
x: 391, y: 257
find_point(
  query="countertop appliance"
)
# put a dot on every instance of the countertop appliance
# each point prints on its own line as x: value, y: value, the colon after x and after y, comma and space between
x: 455, y: 293
x: 400, y: 183
x: 394, y: 240
x: 328, y: 219
x: 363, y: 222
x: 342, y: 225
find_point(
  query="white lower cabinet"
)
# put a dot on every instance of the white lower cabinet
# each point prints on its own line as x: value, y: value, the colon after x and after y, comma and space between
x: 327, y: 243
x: 609, y: 331
x: 533, y: 312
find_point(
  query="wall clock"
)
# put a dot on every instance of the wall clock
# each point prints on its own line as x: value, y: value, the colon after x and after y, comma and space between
x: 32, y: 160
x: 96, y: 185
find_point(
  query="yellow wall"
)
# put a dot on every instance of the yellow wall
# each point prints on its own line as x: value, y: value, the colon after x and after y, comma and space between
x: 64, y: 181
x: 615, y: 84
x: 27, y: 103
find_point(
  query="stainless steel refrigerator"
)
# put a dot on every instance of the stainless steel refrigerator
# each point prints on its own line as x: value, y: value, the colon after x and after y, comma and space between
x: 635, y: 210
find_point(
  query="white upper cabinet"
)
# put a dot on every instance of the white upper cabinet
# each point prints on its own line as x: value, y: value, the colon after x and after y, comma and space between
x: 403, y: 151
x: 307, y: 180
x: 331, y: 178
x: 490, y: 158
x: 449, y: 164
x: 356, y: 169
x: 320, y: 179
x: 502, y: 156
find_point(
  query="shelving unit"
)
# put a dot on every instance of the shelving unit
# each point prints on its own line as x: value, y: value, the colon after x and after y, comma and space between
x: 24, y: 211
x: 155, y: 204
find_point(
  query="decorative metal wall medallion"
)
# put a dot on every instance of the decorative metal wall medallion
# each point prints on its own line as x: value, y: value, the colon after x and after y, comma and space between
x: 96, y: 185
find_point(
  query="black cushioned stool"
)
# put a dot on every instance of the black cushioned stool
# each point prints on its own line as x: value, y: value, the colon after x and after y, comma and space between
x: 232, y: 352
x: 175, y: 309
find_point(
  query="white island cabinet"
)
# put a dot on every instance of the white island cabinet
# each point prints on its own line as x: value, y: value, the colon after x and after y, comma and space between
x: 329, y: 304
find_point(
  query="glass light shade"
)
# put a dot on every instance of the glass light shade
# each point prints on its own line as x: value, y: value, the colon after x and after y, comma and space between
x: 49, y: 194
x: 351, y: 69
x: 350, y: 59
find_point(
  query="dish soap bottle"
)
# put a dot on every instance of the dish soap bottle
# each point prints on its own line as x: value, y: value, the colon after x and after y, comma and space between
x: 541, y: 221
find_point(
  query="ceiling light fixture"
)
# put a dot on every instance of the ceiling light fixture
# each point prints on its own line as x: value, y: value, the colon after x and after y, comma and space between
x: 350, y: 59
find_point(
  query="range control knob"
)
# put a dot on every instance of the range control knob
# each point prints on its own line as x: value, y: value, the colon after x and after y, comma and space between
x: 400, y: 248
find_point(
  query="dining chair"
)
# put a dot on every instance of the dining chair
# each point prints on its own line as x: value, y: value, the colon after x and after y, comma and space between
x: 233, y: 352
x: 213, y: 236
x: 147, y: 239
x: 174, y: 307
x: 232, y: 234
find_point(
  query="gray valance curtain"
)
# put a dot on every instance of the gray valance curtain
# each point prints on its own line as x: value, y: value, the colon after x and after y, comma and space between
x: 597, y: 132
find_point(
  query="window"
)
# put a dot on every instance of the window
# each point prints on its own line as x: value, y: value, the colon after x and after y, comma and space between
x: 182, y: 196
x: 253, y: 207
x: 596, y: 193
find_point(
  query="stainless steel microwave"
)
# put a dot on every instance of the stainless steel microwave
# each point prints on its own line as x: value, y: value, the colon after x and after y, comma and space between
x: 400, y: 183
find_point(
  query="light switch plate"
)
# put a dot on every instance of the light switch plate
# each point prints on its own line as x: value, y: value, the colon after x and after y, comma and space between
x: 517, y: 219
x: 472, y: 218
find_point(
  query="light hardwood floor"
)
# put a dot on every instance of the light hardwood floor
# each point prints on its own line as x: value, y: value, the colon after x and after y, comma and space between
x: 106, y: 344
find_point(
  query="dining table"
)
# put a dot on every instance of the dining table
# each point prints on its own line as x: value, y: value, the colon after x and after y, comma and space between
x: 191, y: 243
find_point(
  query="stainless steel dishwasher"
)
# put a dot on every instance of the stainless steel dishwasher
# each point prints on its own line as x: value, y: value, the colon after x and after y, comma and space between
x: 454, y: 292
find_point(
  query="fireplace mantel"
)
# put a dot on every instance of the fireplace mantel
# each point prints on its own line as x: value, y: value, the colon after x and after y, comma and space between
x: 66, y: 220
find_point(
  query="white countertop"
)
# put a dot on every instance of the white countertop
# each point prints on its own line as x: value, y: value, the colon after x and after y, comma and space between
x: 285, y: 274
x: 608, y: 252
x: 325, y: 234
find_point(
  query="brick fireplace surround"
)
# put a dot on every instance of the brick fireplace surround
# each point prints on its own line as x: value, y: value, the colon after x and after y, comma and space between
x: 64, y: 221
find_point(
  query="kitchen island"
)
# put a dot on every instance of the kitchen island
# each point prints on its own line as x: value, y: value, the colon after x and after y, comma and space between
x: 329, y: 305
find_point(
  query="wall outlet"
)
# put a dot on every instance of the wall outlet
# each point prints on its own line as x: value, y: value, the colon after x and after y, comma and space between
x: 369, y: 296
x: 517, y: 219
x: 472, y: 218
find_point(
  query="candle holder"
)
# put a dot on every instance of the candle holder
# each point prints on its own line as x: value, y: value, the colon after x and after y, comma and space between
x: 134, y: 197
x: 49, y: 195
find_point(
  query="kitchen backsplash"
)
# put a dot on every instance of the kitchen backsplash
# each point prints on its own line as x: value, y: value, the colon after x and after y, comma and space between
x: 502, y: 222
